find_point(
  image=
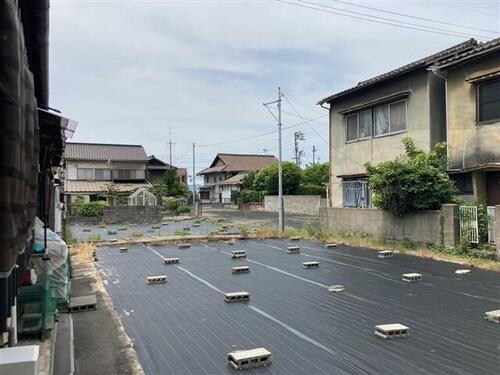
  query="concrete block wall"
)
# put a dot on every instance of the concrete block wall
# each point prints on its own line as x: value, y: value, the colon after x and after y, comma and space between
x: 295, y: 204
x: 132, y: 214
x: 422, y: 227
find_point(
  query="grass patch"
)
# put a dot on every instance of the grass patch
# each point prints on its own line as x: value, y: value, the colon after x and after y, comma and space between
x: 94, y: 237
x: 478, y: 258
x: 180, y: 233
x: 68, y: 237
x: 137, y: 234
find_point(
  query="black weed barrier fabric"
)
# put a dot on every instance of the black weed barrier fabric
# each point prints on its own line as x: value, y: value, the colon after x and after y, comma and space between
x: 185, y: 327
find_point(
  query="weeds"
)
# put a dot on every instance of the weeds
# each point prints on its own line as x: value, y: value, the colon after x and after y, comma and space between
x: 137, y: 234
x: 68, y: 237
x: 94, y: 237
x: 84, y: 251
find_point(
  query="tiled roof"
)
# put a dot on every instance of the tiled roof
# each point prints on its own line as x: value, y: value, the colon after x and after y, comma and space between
x: 425, y: 62
x: 104, y: 152
x: 235, y: 180
x: 239, y: 163
x: 72, y: 186
x: 480, y: 49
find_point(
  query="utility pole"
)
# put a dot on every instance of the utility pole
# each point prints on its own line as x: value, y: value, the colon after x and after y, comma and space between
x: 298, y: 136
x: 281, y: 219
x: 281, y: 210
x: 314, y: 154
x: 170, y: 145
x: 194, y: 181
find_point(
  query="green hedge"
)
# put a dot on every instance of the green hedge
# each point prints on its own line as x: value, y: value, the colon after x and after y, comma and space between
x: 251, y: 196
x: 92, y: 209
x: 183, y: 209
x: 311, y: 189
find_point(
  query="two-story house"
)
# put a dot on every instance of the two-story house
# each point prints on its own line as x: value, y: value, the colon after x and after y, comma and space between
x: 156, y: 169
x: 93, y: 170
x: 369, y: 120
x: 473, y: 120
x: 226, y: 174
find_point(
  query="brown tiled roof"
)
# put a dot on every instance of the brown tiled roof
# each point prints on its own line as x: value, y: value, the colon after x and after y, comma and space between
x: 239, y: 163
x: 104, y: 152
x: 425, y: 62
x: 235, y: 180
x: 480, y: 49
x: 72, y: 186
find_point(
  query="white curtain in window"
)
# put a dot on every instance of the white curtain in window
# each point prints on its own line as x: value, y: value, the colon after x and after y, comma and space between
x: 398, y: 116
x: 365, y: 123
x: 381, y: 116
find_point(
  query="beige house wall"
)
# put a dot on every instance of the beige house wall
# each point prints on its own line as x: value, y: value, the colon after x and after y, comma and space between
x: 425, y: 123
x: 470, y: 144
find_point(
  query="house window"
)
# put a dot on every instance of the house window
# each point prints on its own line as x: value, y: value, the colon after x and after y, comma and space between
x: 355, y: 193
x: 489, y: 101
x: 376, y: 121
x: 103, y: 174
x: 85, y: 173
x: 397, y: 116
x: 352, y: 127
x: 123, y: 174
x: 463, y: 182
x: 365, y: 123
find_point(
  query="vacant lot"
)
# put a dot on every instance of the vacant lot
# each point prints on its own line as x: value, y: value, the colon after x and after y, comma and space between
x: 94, y: 232
x: 185, y: 327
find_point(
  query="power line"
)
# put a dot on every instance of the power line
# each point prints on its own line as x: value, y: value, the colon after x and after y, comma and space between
x: 464, y: 8
x: 404, y: 25
x: 416, y: 17
x: 260, y: 135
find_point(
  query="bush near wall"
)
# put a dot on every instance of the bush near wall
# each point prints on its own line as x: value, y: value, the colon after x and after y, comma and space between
x: 92, y: 209
x: 183, y: 209
x: 311, y: 189
x: 251, y: 196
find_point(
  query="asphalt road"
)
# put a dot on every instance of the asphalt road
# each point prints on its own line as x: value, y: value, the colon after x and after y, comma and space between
x: 185, y: 327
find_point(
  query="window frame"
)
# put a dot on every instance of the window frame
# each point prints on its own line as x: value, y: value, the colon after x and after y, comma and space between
x: 478, y: 109
x: 389, y: 133
x: 85, y: 179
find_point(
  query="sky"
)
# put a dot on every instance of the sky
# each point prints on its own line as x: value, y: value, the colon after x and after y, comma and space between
x: 147, y: 72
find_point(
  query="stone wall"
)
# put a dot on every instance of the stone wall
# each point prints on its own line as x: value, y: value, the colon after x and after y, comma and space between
x: 422, y: 227
x: 121, y: 215
x: 295, y: 204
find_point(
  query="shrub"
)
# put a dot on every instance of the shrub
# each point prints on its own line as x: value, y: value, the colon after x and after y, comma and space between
x: 311, y: 189
x: 267, y: 178
x: 172, y: 204
x: 251, y: 196
x: 415, y: 181
x: 316, y: 174
x: 92, y: 209
x: 183, y: 209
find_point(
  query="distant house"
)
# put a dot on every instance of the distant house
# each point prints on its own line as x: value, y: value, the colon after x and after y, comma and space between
x: 473, y: 120
x: 156, y: 169
x: 369, y: 120
x: 226, y: 173
x: 92, y: 169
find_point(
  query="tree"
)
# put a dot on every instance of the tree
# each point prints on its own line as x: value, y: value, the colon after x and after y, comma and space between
x: 411, y: 182
x: 316, y: 174
x: 171, y: 185
x: 248, y: 180
x: 267, y: 179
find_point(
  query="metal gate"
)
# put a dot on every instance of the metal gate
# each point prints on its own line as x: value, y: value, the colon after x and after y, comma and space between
x: 491, y: 224
x: 468, y: 223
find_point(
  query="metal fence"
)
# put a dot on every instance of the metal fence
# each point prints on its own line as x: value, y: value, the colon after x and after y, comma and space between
x: 469, y: 228
x: 355, y: 194
x: 491, y: 224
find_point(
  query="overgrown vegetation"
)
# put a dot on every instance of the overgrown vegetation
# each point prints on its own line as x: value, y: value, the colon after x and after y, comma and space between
x: 310, y: 181
x: 412, y: 182
x: 172, y: 204
x: 93, y: 237
x: 183, y: 210
x: 92, y: 209
x: 169, y: 186
x: 68, y: 237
